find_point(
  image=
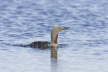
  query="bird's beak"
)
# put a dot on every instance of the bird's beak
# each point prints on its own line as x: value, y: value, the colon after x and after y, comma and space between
x: 65, y: 28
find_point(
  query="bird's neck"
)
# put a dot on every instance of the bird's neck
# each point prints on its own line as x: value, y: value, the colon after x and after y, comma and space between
x: 54, y: 37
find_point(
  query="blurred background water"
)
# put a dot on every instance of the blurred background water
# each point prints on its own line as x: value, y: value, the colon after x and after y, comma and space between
x: 87, y: 40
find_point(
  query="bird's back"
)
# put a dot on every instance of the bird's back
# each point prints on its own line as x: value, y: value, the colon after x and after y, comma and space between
x: 40, y: 44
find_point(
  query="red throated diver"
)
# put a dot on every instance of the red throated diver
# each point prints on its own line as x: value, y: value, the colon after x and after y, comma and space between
x: 54, y: 41
x: 45, y: 44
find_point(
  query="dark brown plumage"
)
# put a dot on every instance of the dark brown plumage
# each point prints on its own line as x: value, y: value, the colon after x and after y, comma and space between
x: 40, y: 44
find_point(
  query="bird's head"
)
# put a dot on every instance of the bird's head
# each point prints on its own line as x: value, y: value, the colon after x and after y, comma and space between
x: 60, y: 28
x: 55, y: 31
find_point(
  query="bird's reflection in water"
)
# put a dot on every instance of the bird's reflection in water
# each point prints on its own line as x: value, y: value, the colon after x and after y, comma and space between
x: 54, y: 65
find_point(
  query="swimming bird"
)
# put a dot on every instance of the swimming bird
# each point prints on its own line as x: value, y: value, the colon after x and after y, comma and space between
x: 54, y: 41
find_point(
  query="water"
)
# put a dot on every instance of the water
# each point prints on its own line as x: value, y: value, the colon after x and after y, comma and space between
x: 86, y: 42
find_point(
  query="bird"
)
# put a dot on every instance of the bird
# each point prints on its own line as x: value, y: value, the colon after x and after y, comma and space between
x: 54, y: 41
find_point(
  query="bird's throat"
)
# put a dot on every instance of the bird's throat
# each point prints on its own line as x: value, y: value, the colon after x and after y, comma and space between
x: 56, y: 39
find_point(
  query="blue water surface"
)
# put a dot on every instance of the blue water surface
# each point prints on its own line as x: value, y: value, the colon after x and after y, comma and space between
x: 86, y: 41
